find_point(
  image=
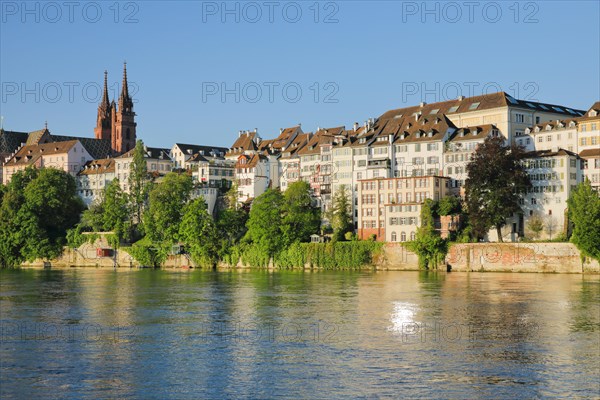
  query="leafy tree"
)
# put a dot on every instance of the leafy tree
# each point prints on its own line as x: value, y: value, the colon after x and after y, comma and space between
x: 449, y: 205
x: 38, y: 208
x: 116, y: 211
x: 166, y: 204
x: 341, y: 220
x: 584, y: 213
x: 264, y: 222
x: 300, y: 218
x: 231, y: 227
x: 535, y: 225
x: 92, y: 219
x: 138, y: 180
x: 428, y: 244
x: 496, y: 179
x: 198, y: 232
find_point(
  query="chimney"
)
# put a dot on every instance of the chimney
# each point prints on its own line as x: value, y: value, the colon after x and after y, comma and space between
x: 240, y: 134
x: 391, y: 138
x: 422, y: 104
x: 461, y: 98
x: 255, y: 130
x: 280, y: 131
x: 355, y: 126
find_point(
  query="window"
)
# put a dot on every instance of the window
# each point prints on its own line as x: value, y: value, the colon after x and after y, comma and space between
x: 418, y: 147
x: 403, y: 237
x: 412, y: 236
x: 520, y: 118
x: 533, y: 201
x: 394, y: 236
x: 537, y: 120
x: 452, y: 109
x: 474, y: 106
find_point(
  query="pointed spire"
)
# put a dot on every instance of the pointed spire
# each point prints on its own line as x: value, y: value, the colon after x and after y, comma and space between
x: 124, y: 88
x: 105, y: 101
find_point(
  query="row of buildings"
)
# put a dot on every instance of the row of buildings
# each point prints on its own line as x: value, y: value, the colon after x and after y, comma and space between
x: 389, y: 164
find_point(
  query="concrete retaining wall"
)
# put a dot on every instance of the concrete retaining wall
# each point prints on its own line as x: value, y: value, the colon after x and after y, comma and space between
x: 497, y: 257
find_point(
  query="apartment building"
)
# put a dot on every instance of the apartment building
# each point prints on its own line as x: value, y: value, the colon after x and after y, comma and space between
x: 93, y: 178
x: 181, y: 153
x: 390, y: 208
x: 216, y: 172
x: 511, y: 116
x: 158, y: 163
x: 289, y: 162
x: 252, y: 176
x: 458, y: 151
x: 554, y: 175
x: 68, y: 156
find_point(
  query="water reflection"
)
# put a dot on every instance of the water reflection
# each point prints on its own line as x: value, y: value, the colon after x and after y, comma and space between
x: 198, y: 334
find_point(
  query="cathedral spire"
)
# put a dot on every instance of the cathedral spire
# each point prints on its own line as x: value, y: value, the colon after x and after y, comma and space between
x: 124, y: 88
x: 105, y: 101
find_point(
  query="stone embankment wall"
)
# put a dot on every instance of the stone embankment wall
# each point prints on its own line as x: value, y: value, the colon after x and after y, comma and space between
x: 86, y: 256
x: 482, y: 257
x: 497, y: 257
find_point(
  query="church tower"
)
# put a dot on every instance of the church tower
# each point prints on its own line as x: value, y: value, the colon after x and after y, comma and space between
x: 123, y: 135
x: 103, y: 128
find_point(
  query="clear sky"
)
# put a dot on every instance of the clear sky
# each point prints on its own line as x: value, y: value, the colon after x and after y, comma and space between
x: 202, y: 71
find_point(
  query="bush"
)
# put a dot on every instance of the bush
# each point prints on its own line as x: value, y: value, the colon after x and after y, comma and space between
x: 148, y: 253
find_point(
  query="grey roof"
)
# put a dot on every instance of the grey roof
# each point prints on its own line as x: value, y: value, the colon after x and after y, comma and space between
x: 98, y: 148
x: 198, y: 148
x: 10, y: 141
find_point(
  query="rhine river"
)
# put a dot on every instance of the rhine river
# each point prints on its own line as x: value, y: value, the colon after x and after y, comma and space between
x: 150, y: 334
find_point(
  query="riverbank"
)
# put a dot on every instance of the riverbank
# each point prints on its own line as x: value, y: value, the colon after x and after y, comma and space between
x: 468, y: 257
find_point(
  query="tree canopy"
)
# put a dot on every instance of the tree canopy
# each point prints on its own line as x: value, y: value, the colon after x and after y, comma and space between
x: 584, y: 213
x: 496, y: 179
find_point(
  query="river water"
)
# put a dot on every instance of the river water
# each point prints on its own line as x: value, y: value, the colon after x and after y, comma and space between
x: 93, y: 333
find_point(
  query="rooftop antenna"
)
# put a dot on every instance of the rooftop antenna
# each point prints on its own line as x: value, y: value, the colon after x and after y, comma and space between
x: 46, y: 125
x: 1, y: 122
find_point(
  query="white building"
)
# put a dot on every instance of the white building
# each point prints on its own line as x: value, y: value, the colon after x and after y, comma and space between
x: 93, y: 178
x: 158, y: 163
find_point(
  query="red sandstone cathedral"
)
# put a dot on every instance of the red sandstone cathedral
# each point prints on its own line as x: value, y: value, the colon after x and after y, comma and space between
x: 116, y: 123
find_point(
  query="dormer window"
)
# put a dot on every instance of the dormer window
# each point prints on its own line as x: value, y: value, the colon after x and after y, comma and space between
x: 548, y: 127
x: 430, y: 134
x: 461, y: 134
x: 571, y: 124
x: 593, y: 113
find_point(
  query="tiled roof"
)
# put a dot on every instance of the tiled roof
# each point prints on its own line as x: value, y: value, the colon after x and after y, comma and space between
x: 245, y: 142
x: 10, y: 141
x: 432, y: 127
x: 98, y: 148
x: 482, y: 102
x: 95, y: 167
x: 550, y: 153
x: 156, y: 153
x: 298, y: 144
x: 590, y: 153
x: 29, y: 154
x: 594, y: 107
x: 191, y: 149
x: 472, y: 133
x: 285, y: 136
x: 249, y: 161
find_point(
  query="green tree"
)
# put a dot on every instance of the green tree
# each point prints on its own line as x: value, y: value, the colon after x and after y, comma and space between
x: 496, y: 179
x: 198, y: 232
x: 92, y: 219
x: 264, y: 222
x: 166, y: 204
x: 341, y: 214
x: 428, y: 245
x: 116, y: 211
x: 584, y: 213
x: 138, y: 180
x: 37, y: 210
x: 535, y: 225
x: 449, y: 205
x: 300, y: 218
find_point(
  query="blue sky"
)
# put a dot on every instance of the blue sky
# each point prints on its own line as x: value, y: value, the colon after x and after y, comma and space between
x: 282, y: 63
